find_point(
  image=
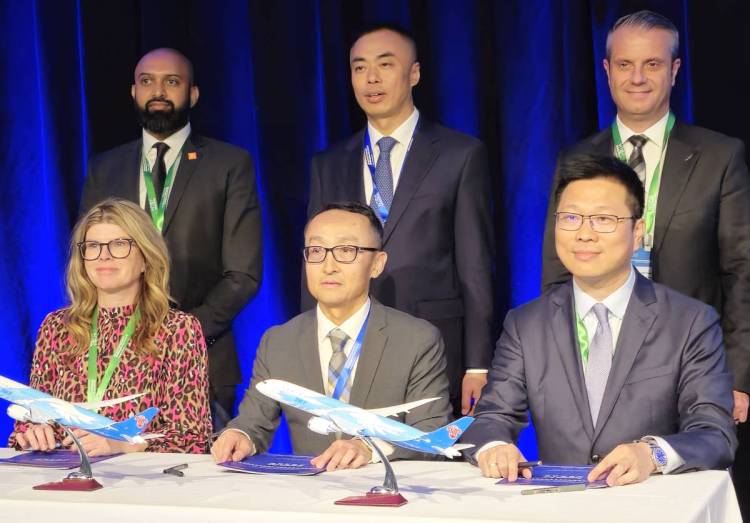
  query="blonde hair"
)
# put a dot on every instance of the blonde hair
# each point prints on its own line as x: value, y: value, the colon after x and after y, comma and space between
x: 153, y: 296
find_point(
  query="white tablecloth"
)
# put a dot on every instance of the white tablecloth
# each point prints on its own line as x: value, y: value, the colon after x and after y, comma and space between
x: 136, y: 490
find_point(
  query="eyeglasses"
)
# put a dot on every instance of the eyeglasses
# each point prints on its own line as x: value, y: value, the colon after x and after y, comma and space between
x: 341, y: 253
x: 604, y: 223
x: 118, y: 248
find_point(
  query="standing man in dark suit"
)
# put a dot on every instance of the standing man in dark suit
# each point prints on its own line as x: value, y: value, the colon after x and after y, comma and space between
x: 393, y: 358
x: 430, y: 186
x: 614, y: 369
x: 697, y: 238
x: 201, y: 194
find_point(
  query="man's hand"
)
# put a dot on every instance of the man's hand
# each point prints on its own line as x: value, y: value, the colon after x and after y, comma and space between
x: 471, y: 388
x: 344, y: 454
x: 502, y: 462
x: 36, y: 437
x: 232, y: 445
x: 627, y: 463
x: 741, y: 402
x: 95, y: 445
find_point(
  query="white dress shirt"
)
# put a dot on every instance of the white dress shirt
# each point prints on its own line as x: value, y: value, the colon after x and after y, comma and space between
x: 652, y: 150
x: 617, y: 304
x: 351, y: 327
x: 171, y: 157
x: 403, y: 135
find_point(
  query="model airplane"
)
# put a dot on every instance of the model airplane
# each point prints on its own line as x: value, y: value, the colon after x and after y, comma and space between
x: 332, y: 415
x: 34, y: 406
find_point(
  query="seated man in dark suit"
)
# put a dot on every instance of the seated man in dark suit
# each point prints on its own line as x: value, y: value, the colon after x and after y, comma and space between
x: 401, y: 358
x: 614, y: 369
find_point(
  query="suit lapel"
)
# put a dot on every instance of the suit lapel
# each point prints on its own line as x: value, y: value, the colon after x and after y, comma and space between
x: 679, y: 163
x: 422, y: 154
x: 369, y: 359
x: 638, y: 320
x: 353, y: 183
x: 127, y: 187
x: 563, y: 333
x: 309, y: 353
x: 191, y: 158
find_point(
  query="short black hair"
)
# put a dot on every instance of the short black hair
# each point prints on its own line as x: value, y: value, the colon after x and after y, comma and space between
x: 398, y: 29
x: 356, y: 208
x: 593, y: 166
x: 646, y: 20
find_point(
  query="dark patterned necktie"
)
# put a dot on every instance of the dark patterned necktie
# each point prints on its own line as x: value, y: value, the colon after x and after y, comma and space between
x: 383, y: 171
x: 159, y: 171
x: 636, y: 161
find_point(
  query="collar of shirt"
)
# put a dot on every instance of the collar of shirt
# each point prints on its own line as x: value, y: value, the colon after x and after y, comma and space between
x: 175, y: 142
x: 351, y: 326
x: 655, y: 133
x: 616, y: 303
x: 402, y: 133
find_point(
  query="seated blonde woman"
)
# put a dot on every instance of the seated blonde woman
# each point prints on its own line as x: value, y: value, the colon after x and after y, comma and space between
x: 119, y: 337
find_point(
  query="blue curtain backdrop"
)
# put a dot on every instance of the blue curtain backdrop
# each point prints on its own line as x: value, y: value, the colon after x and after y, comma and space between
x: 524, y: 76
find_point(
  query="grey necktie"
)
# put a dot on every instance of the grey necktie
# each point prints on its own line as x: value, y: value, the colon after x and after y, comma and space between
x: 636, y: 161
x: 338, y: 360
x: 600, y: 361
x: 383, y: 171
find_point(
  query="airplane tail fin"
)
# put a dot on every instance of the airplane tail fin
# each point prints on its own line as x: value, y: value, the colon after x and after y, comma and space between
x: 131, y: 428
x: 444, y: 437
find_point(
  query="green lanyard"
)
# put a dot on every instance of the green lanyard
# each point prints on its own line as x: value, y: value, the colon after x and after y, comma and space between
x: 583, y: 340
x: 94, y: 393
x: 158, y: 211
x: 649, y: 213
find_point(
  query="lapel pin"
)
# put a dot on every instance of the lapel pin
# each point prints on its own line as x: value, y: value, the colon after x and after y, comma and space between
x: 192, y: 155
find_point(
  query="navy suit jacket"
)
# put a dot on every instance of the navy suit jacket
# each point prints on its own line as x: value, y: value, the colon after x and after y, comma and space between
x: 439, y: 236
x: 701, y: 234
x: 669, y: 378
x: 212, y: 227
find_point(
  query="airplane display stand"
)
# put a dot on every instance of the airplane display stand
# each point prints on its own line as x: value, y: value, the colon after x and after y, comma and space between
x: 81, y: 480
x: 386, y: 495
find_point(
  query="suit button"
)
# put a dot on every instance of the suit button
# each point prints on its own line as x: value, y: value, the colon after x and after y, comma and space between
x: 595, y: 458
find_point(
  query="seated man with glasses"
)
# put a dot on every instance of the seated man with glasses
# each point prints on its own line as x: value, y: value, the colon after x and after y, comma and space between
x: 350, y: 347
x: 615, y: 370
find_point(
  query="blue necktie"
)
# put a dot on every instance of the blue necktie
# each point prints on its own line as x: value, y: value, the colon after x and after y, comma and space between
x: 337, y: 362
x: 600, y: 361
x: 383, y: 171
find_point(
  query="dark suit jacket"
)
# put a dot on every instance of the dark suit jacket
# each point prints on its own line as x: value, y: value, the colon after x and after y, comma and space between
x: 669, y: 378
x: 439, y: 236
x: 702, y: 230
x: 402, y: 360
x: 212, y: 228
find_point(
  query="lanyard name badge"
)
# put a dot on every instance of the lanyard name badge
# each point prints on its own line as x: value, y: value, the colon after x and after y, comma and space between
x: 158, y: 210
x: 642, y: 257
x: 95, y: 393
x: 376, y: 201
x: 351, y: 360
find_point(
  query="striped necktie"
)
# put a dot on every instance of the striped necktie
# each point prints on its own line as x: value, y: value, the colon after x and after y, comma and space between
x: 636, y: 161
x: 337, y: 362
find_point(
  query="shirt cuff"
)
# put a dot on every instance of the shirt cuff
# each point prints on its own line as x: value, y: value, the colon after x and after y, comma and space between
x: 674, y: 460
x: 488, y: 446
x: 253, y: 450
x: 476, y: 371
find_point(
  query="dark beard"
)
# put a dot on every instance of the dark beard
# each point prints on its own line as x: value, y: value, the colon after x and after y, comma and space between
x: 163, y: 122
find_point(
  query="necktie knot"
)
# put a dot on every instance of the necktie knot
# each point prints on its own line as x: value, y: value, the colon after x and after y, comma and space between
x: 638, y: 140
x: 161, y: 149
x: 338, y: 339
x: 601, y: 313
x: 386, y: 143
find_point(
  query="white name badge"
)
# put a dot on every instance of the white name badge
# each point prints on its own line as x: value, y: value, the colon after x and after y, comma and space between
x: 642, y: 262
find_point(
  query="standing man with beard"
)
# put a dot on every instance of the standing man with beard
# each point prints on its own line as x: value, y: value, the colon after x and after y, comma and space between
x: 201, y: 194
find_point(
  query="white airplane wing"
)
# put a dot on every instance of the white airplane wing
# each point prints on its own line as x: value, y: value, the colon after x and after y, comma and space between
x: 398, y: 409
x: 96, y: 405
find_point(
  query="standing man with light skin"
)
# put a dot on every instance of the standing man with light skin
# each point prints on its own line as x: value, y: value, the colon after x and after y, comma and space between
x: 614, y: 370
x: 697, y: 238
x: 393, y: 358
x: 430, y: 186
x: 201, y: 195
